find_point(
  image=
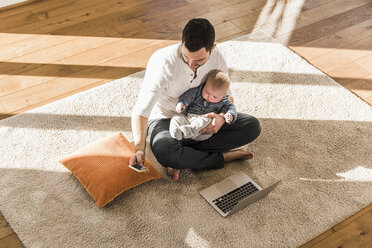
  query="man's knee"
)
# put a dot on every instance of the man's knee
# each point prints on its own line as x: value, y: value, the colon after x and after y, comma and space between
x: 252, y: 129
x: 255, y: 127
x: 164, y: 149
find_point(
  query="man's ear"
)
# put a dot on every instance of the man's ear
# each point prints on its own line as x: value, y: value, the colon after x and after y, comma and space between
x: 214, y: 45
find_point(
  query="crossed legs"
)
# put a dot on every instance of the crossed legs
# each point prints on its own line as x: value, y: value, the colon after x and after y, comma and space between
x: 208, y: 154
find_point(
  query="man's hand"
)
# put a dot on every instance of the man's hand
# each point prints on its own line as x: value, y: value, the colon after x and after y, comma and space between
x: 138, y: 157
x: 215, y: 125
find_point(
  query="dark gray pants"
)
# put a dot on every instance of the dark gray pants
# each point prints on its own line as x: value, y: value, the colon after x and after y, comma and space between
x: 207, y: 154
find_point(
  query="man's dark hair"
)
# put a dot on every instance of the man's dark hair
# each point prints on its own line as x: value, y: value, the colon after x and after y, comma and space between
x: 198, y: 33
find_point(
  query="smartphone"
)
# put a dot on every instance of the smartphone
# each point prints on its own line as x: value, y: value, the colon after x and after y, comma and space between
x: 138, y: 168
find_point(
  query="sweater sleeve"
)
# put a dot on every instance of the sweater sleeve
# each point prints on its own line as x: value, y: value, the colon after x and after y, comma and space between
x: 153, y: 84
x: 229, y: 107
x: 189, y: 96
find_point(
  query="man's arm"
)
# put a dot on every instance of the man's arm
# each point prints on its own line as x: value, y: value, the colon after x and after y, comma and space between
x: 152, y: 85
x: 139, y: 131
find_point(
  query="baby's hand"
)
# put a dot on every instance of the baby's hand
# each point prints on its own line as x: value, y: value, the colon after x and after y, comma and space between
x: 180, y: 107
x: 228, y: 117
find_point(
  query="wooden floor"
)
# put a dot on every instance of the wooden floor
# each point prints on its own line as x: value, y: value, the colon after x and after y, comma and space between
x: 50, y: 49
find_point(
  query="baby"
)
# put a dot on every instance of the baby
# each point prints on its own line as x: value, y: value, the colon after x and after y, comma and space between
x: 196, y: 102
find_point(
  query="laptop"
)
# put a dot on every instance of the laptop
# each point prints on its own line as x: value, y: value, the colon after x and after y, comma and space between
x: 235, y: 193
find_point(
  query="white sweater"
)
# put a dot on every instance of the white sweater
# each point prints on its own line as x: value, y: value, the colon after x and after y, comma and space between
x: 167, y: 77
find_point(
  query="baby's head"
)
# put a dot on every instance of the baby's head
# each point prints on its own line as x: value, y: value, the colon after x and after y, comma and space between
x: 216, y: 86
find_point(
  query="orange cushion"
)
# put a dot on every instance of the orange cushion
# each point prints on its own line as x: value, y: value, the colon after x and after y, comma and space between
x: 102, y: 168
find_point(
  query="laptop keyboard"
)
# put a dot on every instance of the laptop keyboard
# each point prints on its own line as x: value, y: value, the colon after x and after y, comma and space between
x: 229, y: 200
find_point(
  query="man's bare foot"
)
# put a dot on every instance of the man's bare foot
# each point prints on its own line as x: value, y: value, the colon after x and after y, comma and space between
x: 173, y: 173
x: 237, y: 154
x: 170, y: 171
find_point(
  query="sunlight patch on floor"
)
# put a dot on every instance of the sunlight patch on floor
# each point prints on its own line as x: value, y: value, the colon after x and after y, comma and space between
x: 194, y: 240
x: 279, y: 17
x: 358, y: 174
x: 311, y: 53
x: 77, y: 50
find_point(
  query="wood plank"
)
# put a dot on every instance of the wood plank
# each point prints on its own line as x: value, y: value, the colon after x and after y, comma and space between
x: 272, y: 13
x: 69, y: 48
x: 235, y: 1
x: 5, y: 231
x: 231, y: 12
x: 110, y: 51
x: 71, y: 17
x: 45, y: 9
x: 9, y: 8
x: 108, y: 32
x: 355, y: 234
x: 331, y: 25
x: 8, y: 38
x: 340, y: 57
x: 30, y: 45
x: 267, y: 29
x: 34, y: 95
x: 357, y: 215
x: 138, y: 59
x: 15, y: 20
x: 161, y: 32
x: 3, y: 110
x: 41, y: 7
x: 7, y: 68
x: 345, y: 36
x: 6, y: 3
x: 334, y: 41
x: 351, y: 70
x: 318, y: 240
x: 366, y: 62
x: 114, y: 19
x: 368, y: 100
x: 250, y: 19
x: 56, y: 98
x: 314, y: 4
x: 52, y: 9
x: 41, y: 73
x: 361, y: 87
x: 184, y: 13
x: 11, y: 241
x: 226, y: 29
x: 311, y: 16
x: 159, y: 22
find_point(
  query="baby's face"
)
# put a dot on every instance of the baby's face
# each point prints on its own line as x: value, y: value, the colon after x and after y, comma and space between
x: 212, y: 94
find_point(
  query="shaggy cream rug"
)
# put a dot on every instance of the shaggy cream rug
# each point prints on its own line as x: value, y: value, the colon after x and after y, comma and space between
x: 316, y: 137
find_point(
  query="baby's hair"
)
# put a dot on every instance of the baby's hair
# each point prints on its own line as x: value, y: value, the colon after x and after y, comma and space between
x: 218, y: 79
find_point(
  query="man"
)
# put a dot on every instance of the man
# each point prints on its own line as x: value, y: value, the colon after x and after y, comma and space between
x: 169, y: 73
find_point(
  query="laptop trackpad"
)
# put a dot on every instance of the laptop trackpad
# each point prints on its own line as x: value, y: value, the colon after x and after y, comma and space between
x: 226, y: 185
